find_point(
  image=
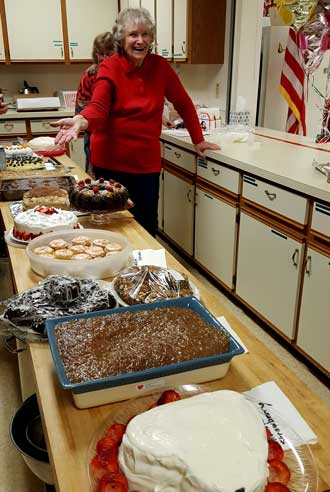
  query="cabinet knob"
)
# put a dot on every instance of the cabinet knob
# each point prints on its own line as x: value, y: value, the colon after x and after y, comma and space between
x: 183, y: 47
x: 177, y: 155
x: 270, y: 195
x: 189, y: 195
x: 71, y: 50
x: 62, y: 52
x: 295, y: 258
x: 216, y: 172
x: 9, y: 126
x: 308, y: 266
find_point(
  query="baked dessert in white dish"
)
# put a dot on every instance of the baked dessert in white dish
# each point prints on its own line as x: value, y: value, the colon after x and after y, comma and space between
x: 40, y: 220
x: 49, y: 196
x: 210, y: 442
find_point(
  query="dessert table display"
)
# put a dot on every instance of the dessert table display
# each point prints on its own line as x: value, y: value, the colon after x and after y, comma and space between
x: 69, y: 431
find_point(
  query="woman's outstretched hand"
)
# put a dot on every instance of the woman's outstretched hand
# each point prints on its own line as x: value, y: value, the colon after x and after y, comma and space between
x: 202, y: 146
x: 69, y: 129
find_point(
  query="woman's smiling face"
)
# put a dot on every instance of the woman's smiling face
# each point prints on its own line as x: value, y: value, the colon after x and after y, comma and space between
x: 136, y: 44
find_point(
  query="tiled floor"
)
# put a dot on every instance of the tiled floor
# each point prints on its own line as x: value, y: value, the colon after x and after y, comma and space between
x: 15, y: 476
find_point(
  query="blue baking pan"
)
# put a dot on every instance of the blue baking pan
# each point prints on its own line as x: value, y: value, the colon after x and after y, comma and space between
x: 148, y: 374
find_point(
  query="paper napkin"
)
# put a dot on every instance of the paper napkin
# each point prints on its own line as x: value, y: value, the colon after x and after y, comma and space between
x: 150, y: 257
x: 225, y: 323
x: 280, y: 416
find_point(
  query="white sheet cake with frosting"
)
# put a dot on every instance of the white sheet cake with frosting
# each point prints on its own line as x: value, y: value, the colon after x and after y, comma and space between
x: 210, y: 442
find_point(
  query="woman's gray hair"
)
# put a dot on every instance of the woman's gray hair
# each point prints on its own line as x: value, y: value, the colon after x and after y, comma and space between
x: 128, y: 18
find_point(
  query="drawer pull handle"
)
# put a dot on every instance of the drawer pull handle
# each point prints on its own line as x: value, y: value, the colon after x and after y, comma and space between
x: 183, y: 47
x: 216, y: 172
x: 189, y: 195
x: 62, y: 52
x: 308, y: 266
x: 295, y: 258
x: 71, y: 49
x: 9, y: 126
x: 46, y: 125
x: 270, y: 195
x: 177, y: 155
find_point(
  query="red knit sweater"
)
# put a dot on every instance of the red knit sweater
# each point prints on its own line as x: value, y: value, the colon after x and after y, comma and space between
x: 125, y: 113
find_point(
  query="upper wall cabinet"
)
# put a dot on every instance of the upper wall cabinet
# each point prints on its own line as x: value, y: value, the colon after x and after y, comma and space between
x: 2, y: 49
x: 86, y: 20
x: 180, y: 29
x: 35, y: 30
x: 164, y: 28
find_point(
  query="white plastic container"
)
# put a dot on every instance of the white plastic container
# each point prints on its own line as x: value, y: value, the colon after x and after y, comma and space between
x: 96, y: 268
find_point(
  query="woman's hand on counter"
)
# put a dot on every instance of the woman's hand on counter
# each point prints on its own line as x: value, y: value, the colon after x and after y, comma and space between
x: 69, y: 128
x: 202, y: 146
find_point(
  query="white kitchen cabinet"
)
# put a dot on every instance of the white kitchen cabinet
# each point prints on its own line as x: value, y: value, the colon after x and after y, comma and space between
x: 215, y: 229
x: 268, y: 270
x: 35, y: 30
x: 179, y: 211
x: 149, y: 5
x: 164, y: 10
x: 101, y: 15
x: 161, y: 201
x: 314, y: 325
x: 77, y: 153
x: 2, y: 48
x: 180, y: 30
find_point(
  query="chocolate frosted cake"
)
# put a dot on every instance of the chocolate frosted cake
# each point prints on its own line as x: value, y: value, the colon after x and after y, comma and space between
x: 100, y: 347
x: 99, y: 195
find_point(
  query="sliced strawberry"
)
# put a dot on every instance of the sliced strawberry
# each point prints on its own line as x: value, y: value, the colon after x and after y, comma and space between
x: 109, y: 188
x: 81, y: 182
x: 113, y: 486
x: 101, y: 180
x: 117, y: 185
x: 116, y: 477
x: 168, y: 397
x: 268, y: 434
x: 107, y: 451
x: 154, y: 405
x: 278, y: 472
x: 276, y: 487
x: 37, y: 209
x: 25, y: 236
x: 97, y: 469
x: 275, y: 451
x: 88, y: 180
x: 112, y: 181
x: 116, y: 432
x: 96, y: 189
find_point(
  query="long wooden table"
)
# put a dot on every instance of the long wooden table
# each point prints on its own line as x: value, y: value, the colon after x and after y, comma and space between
x: 69, y: 430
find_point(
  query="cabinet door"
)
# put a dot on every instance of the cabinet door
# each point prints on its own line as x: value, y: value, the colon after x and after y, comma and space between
x: 161, y: 201
x: 314, y: 326
x: 2, y: 49
x: 34, y: 30
x: 164, y: 11
x: 215, y: 226
x: 180, y: 30
x: 101, y: 15
x: 268, y: 271
x: 77, y: 153
x: 179, y: 211
x: 149, y: 5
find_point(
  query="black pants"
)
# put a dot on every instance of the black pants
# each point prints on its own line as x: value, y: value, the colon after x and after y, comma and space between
x: 143, y: 190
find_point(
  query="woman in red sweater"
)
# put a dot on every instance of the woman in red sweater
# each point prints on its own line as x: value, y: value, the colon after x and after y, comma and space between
x: 125, y: 114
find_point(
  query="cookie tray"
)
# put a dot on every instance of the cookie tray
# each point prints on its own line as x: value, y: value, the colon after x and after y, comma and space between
x: 130, y: 385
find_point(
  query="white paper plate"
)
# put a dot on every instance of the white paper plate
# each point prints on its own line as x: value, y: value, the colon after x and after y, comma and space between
x: 120, y: 301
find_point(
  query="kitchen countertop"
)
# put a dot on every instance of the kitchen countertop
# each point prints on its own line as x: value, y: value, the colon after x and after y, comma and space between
x: 12, y: 114
x: 69, y: 431
x: 276, y: 156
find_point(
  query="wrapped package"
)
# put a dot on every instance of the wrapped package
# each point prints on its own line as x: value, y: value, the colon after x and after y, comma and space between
x: 148, y: 283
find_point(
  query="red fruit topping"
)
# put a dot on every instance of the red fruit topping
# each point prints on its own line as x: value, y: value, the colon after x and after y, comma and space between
x: 112, y: 181
x: 116, y: 432
x: 96, y: 189
x: 25, y: 236
x: 117, y: 185
x: 268, y: 434
x: 97, y: 470
x: 109, y: 188
x: 116, y: 477
x: 113, y: 486
x: 37, y: 209
x: 276, y: 487
x: 88, y: 180
x: 101, y: 180
x: 275, y: 451
x: 81, y: 182
x: 107, y: 451
x: 278, y: 472
x: 168, y: 397
x: 43, y: 209
x: 154, y: 405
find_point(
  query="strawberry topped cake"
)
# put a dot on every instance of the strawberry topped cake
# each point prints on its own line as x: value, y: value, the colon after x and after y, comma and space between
x: 40, y: 220
x: 99, y: 195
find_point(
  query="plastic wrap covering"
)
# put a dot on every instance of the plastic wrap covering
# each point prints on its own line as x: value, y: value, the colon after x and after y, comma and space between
x: 54, y: 297
x: 146, y: 284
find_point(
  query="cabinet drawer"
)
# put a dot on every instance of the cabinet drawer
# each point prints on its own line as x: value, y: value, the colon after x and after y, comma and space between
x: 321, y: 218
x: 180, y: 157
x: 217, y: 174
x: 12, y: 127
x: 43, y: 126
x: 275, y: 199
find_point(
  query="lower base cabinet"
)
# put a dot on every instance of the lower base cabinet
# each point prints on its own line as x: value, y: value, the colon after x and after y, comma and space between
x: 314, y: 323
x: 215, y: 230
x: 179, y: 210
x: 268, y: 269
x: 77, y: 152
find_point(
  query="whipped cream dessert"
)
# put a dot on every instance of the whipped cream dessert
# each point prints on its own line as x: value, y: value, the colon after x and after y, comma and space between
x: 40, y: 220
x: 213, y: 442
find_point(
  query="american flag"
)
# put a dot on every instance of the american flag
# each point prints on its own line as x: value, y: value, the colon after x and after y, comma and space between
x: 293, y: 87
